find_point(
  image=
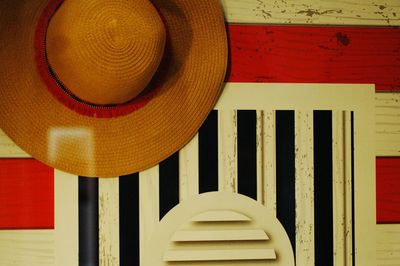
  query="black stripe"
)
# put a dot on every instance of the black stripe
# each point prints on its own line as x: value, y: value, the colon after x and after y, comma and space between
x: 323, y: 188
x: 88, y: 221
x: 353, y: 217
x: 285, y: 173
x: 169, y: 184
x: 247, y: 152
x: 129, y: 220
x: 208, y: 154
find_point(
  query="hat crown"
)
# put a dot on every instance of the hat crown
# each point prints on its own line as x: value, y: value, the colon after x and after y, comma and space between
x: 105, y: 52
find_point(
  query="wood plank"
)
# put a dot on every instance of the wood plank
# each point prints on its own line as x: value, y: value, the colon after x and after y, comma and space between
x: 388, y: 244
x: 328, y: 12
x: 26, y: 194
x: 189, y: 169
x: 227, y: 151
x: 8, y: 149
x: 66, y: 232
x: 342, y: 206
x: 388, y: 190
x: 219, y: 235
x: 304, y: 162
x: 219, y: 255
x: 109, y: 221
x: 269, y: 159
x: 148, y: 206
x: 301, y: 54
x: 27, y: 247
x: 387, y: 124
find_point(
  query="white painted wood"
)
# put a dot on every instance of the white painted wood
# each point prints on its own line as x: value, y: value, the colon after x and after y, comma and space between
x: 109, y: 221
x: 149, y: 206
x: 8, y: 149
x: 27, y: 247
x: 189, y: 169
x: 304, y: 164
x: 269, y: 162
x: 331, y: 12
x: 342, y: 205
x: 66, y: 219
x: 219, y: 235
x: 260, y: 157
x: 219, y: 255
x: 387, y: 124
x: 388, y: 244
x: 227, y: 150
x: 348, y: 201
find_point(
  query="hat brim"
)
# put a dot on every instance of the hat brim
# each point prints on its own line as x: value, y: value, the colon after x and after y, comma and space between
x: 88, y: 146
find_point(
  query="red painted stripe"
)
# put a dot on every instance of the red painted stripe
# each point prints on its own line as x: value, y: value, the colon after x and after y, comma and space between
x: 315, y: 54
x: 388, y: 190
x: 26, y: 194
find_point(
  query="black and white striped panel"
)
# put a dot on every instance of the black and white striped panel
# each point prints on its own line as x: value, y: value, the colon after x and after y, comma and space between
x: 296, y: 163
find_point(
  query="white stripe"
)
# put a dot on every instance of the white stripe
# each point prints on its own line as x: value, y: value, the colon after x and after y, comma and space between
x: 227, y: 150
x: 304, y: 162
x: 342, y: 213
x: 66, y: 219
x: 269, y: 161
x: 109, y: 221
x: 323, y: 12
x: 189, y: 170
x: 148, y: 206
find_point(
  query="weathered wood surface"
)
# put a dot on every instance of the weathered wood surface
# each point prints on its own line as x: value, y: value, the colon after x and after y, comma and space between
x: 388, y: 124
x: 323, y: 12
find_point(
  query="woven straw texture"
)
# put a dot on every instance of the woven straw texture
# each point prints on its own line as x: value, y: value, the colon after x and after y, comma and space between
x: 106, y: 147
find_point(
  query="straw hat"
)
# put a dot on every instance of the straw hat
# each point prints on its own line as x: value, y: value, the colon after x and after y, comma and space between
x: 107, y: 88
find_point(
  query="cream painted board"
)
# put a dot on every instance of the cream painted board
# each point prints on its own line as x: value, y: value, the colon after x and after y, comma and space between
x: 227, y: 150
x: 219, y: 255
x: 148, y: 206
x: 388, y: 244
x: 8, y: 149
x: 189, y: 169
x: 21, y: 248
x: 304, y: 164
x: 109, y: 221
x: 219, y: 235
x: 342, y: 205
x: 321, y: 12
x: 66, y: 219
x: 387, y: 123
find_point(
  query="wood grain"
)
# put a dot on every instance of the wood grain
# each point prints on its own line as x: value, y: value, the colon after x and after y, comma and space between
x: 304, y: 162
x: 388, y: 190
x: 342, y: 206
x: 387, y: 124
x: 189, y: 169
x: 325, y: 12
x: 301, y: 54
x: 388, y: 244
x: 109, y: 221
x: 227, y: 150
x: 149, y: 205
x: 66, y: 232
x: 25, y: 247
